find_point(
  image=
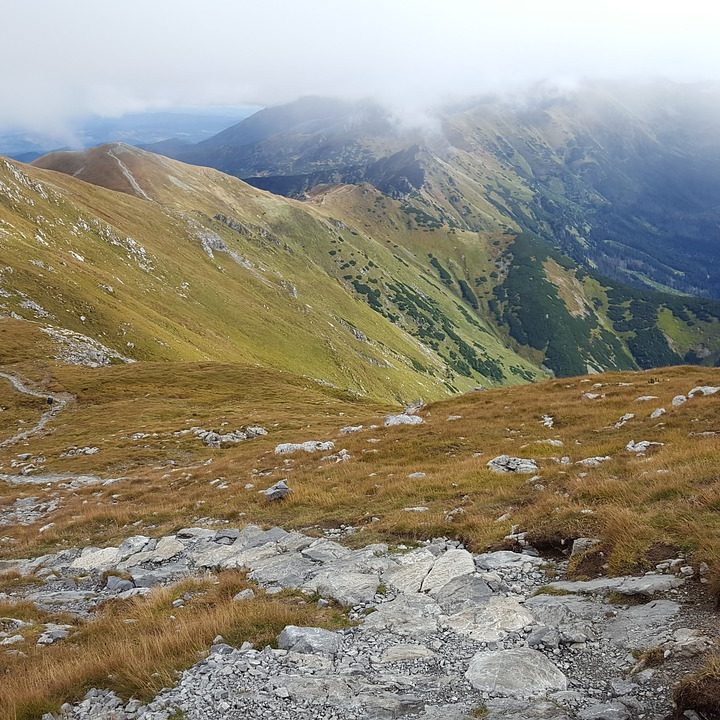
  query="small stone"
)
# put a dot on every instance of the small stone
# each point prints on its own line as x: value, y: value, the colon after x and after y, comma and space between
x: 351, y: 429
x: 508, y: 464
x: 403, y: 419
x: 581, y: 545
x: 642, y: 447
x: 279, y: 491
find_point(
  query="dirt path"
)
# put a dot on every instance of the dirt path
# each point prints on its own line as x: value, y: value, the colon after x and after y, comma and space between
x: 59, y: 403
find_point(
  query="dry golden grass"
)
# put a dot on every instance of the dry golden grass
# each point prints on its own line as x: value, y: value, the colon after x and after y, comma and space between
x: 136, y: 647
x: 643, y: 509
x: 700, y: 692
x: 13, y: 580
x: 668, y: 498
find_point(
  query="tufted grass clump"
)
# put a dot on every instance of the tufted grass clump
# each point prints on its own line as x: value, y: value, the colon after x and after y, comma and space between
x: 136, y: 647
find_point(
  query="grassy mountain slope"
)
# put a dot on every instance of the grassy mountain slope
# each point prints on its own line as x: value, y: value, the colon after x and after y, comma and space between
x: 460, y: 304
x: 154, y: 282
x: 624, y: 178
x: 306, y: 142
x: 138, y: 416
x: 187, y: 263
x: 633, y: 502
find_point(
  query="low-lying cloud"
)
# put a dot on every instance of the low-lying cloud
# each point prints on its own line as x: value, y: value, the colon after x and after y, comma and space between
x: 65, y: 59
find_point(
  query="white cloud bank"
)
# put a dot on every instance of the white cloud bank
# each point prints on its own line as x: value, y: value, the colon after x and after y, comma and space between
x: 64, y: 59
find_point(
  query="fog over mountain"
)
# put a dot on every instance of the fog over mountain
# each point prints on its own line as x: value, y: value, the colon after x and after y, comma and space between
x: 78, y: 58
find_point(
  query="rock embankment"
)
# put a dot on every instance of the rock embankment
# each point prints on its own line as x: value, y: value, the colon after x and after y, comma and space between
x: 438, y: 633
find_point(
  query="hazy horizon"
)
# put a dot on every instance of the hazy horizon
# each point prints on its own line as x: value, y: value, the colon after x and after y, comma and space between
x: 71, y: 60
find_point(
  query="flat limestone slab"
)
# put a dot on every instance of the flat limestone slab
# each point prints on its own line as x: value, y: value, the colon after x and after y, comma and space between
x: 520, y: 672
x: 447, y: 567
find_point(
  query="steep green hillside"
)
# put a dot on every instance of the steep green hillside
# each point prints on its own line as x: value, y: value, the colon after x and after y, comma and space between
x: 536, y: 300
x: 354, y: 287
x: 187, y: 263
x: 624, y: 178
x: 168, y: 282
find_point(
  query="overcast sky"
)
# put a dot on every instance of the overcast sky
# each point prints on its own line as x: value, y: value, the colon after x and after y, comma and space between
x: 64, y: 59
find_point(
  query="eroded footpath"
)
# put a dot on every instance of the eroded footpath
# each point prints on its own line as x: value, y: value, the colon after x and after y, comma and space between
x: 437, y: 631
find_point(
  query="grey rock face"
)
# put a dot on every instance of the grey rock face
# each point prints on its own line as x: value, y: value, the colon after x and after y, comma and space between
x: 310, y: 446
x: 642, y: 447
x: 520, y: 672
x: 582, y: 545
x: 704, y: 390
x: 279, y: 491
x: 409, y: 571
x: 611, y: 711
x: 214, y: 439
x: 461, y: 592
x: 348, y: 588
x: 351, y: 429
x: 497, y: 618
x: 118, y: 584
x: 626, y: 418
x: 310, y: 640
x: 645, y: 585
x: 448, y: 633
x: 447, y: 567
x: 511, y: 709
x: 404, y: 653
x: 593, y: 461
x: 505, y: 559
x: 411, y: 616
x: 53, y: 633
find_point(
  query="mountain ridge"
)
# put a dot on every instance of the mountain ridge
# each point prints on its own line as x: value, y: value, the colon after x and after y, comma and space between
x: 457, y: 304
x: 618, y: 176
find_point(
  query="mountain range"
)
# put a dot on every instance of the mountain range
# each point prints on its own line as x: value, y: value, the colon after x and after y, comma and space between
x: 623, y: 178
x: 394, y: 263
x: 184, y: 125
x: 240, y: 408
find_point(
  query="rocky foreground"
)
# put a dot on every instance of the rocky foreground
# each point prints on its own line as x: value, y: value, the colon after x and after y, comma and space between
x: 438, y: 632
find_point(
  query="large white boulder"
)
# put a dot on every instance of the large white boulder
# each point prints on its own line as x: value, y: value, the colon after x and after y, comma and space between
x: 520, y: 672
x: 410, y: 571
x: 309, y: 446
x: 96, y: 559
x: 704, y: 390
x: 448, y: 566
x: 348, y: 588
x: 491, y: 622
x: 309, y: 640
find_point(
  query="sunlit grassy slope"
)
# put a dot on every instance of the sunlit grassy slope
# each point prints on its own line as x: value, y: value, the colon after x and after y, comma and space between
x: 633, y: 502
x: 277, y: 294
x: 640, y: 507
x: 388, y: 297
